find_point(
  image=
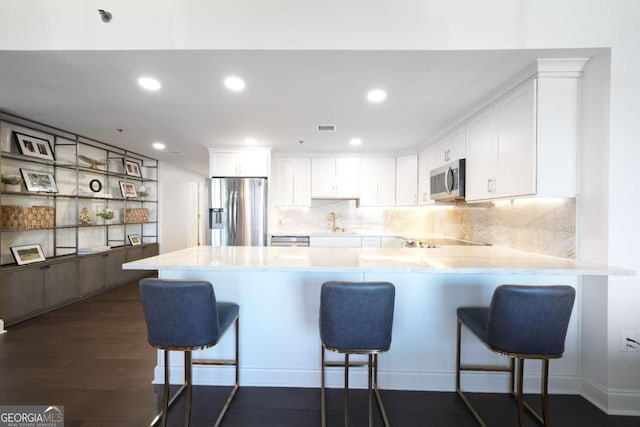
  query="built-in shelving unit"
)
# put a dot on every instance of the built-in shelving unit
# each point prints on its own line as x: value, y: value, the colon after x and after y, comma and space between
x: 91, y: 176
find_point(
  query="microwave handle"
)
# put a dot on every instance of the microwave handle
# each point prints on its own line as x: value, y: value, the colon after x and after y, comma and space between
x: 448, y: 187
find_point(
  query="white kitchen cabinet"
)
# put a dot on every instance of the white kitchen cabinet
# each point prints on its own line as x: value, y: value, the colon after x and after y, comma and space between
x: 377, y: 181
x: 515, y: 124
x: 525, y: 142
x: 501, y: 160
x: 293, y: 181
x: 335, y: 241
x: 335, y: 177
x: 482, y: 156
x: 391, y: 242
x: 452, y: 146
x: 370, y: 242
x: 407, y: 180
x: 239, y: 163
x: 424, y: 177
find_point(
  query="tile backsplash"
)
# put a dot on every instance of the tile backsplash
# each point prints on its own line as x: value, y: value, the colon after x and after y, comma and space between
x: 546, y: 226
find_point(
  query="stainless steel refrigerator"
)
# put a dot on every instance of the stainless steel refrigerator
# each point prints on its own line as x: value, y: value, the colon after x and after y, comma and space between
x: 238, y: 212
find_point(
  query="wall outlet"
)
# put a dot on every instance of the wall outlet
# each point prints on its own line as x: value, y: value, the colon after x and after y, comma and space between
x: 630, y: 341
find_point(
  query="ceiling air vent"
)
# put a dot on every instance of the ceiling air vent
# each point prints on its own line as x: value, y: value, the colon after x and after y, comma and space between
x: 326, y: 128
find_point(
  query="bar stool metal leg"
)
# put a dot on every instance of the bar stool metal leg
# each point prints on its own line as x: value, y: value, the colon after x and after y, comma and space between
x: 188, y: 382
x: 165, y: 391
x: 346, y: 390
x: 323, y: 396
x: 520, y: 393
x: 545, y: 391
x: 369, y: 389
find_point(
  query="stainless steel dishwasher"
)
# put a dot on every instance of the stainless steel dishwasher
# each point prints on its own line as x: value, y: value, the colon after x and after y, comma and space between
x: 292, y: 241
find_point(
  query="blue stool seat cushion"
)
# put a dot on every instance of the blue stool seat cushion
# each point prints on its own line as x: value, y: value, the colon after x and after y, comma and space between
x: 526, y: 320
x: 184, y: 314
x: 356, y: 316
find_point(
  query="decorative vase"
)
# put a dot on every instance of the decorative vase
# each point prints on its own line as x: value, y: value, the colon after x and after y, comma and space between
x: 12, y: 187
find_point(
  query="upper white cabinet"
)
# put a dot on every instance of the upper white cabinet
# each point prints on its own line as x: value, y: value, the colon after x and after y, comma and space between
x: 407, y: 180
x: 335, y: 177
x: 482, y: 156
x: 516, y: 136
x: 293, y: 181
x: 452, y: 146
x: 525, y: 142
x: 377, y: 181
x: 424, y: 177
x: 501, y: 159
x: 239, y: 163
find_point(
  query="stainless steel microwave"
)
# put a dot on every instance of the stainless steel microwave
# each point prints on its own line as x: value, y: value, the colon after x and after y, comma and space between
x: 447, y: 182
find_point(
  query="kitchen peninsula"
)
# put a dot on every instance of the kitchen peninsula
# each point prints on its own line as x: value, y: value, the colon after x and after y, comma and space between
x: 278, y: 292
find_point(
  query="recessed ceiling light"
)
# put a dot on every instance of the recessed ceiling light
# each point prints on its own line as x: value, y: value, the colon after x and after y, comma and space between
x: 158, y: 145
x: 376, y: 95
x: 355, y: 141
x: 250, y: 141
x: 149, y: 83
x: 234, y: 83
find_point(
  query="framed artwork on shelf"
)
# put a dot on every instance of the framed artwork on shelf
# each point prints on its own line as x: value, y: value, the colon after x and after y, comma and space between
x: 39, y: 181
x: 128, y: 189
x: 134, y: 239
x: 132, y: 168
x: 27, y: 254
x: 33, y: 146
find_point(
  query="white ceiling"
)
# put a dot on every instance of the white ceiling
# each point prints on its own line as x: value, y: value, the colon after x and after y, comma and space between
x: 288, y: 94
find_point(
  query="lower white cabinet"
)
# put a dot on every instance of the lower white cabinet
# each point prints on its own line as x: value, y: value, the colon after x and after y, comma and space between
x: 370, y: 242
x: 335, y: 241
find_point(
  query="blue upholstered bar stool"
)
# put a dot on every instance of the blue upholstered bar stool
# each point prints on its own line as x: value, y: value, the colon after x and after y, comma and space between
x: 356, y: 318
x: 185, y: 316
x: 522, y: 322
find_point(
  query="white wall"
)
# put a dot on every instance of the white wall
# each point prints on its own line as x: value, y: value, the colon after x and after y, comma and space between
x: 401, y: 24
x: 592, y: 213
x: 177, y: 208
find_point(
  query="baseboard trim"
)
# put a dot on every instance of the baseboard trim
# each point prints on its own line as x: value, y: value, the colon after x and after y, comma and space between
x: 611, y: 401
x: 413, y: 381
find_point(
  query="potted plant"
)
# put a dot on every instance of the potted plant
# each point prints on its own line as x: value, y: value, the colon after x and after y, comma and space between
x: 11, y: 182
x: 106, y: 214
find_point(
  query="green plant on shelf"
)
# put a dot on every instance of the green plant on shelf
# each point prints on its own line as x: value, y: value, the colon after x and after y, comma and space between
x: 11, y: 179
x: 106, y: 214
x: 142, y: 194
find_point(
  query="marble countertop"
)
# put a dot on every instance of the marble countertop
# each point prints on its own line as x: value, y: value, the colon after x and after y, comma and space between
x: 442, y: 260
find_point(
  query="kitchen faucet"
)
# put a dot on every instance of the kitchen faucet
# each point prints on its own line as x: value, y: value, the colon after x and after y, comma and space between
x: 332, y: 218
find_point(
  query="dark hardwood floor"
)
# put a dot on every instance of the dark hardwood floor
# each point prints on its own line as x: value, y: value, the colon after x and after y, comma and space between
x: 93, y: 358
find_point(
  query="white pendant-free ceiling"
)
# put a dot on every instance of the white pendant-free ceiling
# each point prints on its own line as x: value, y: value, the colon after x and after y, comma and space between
x: 287, y: 95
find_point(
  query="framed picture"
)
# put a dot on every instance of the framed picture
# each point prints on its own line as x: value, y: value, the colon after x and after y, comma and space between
x: 134, y: 239
x: 27, y: 254
x: 132, y: 168
x: 39, y: 181
x: 33, y: 146
x: 128, y: 189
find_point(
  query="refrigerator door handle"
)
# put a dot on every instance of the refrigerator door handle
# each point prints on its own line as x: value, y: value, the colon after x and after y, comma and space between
x: 234, y: 214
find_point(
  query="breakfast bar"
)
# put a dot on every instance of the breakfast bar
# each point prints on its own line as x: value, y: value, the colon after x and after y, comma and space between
x: 278, y: 290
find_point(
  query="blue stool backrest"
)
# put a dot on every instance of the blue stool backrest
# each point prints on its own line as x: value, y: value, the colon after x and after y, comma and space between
x: 356, y: 315
x: 530, y: 319
x: 179, y: 313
